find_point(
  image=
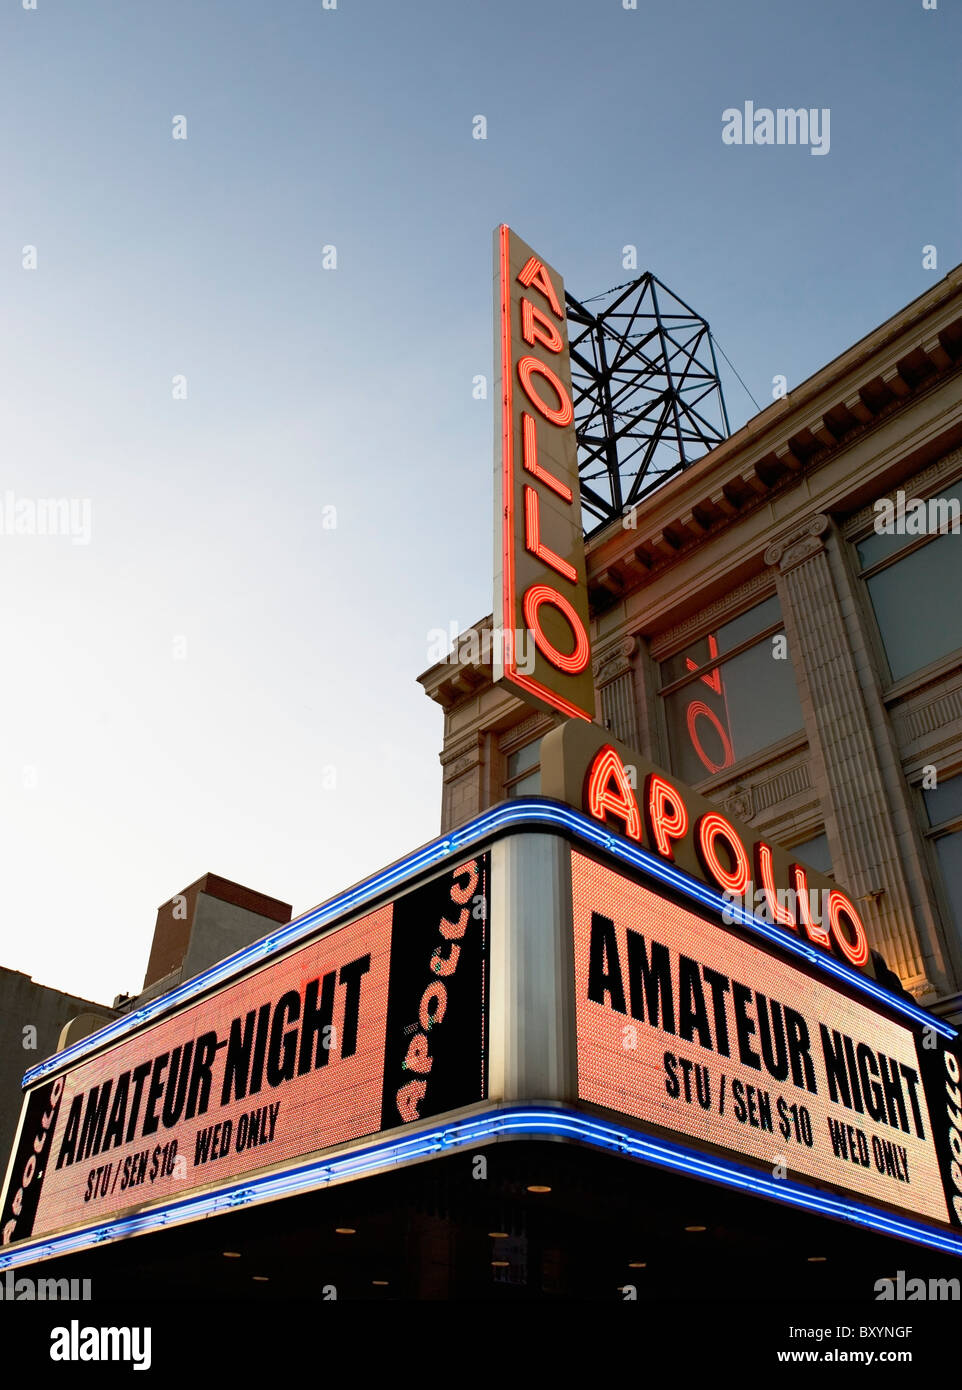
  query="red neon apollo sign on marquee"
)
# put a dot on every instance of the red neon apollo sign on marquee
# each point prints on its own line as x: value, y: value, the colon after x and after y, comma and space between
x: 722, y: 853
x: 541, y: 588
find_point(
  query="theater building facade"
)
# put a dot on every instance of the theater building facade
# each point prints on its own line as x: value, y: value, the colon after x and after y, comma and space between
x: 780, y: 627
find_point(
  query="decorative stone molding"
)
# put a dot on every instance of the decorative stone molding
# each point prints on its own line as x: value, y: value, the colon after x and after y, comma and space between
x: 747, y: 800
x: 455, y: 769
x: 775, y: 790
x: 782, y: 787
x: 707, y: 618
x: 925, y: 719
x: 614, y: 661
x: 800, y: 544
x: 741, y: 804
x: 527, y: 729
x: 459, y: 757
x: 918, y: 485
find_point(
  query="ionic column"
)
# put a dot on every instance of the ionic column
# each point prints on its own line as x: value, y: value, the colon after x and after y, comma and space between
x: 614, y: 681
x: 842, y: 732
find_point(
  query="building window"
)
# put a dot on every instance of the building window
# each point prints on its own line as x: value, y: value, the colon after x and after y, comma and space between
x: 913, y: 584
x: 815, y: 853
x: 730, y: 694
x: 943, y: 809
x: 523, y: 771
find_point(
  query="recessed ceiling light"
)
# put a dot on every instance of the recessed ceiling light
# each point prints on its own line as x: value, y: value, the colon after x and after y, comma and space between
x: 637, y: 1264
x: 696, y: 1228
x: 817, y: 1259
x: 498, y: 1235
x: 260, y: 1278
x: 381, y: 1283
x: 345, y: 1231
x: 231, y: 1254
x: 538, y: 1187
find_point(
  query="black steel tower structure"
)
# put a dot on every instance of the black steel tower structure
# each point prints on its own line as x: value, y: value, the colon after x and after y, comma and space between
x: 647, y: 397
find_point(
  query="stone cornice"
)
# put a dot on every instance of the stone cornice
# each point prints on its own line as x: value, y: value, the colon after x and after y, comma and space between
x: 464, y: 750
x: 904, y: 360
x: 520, y: 733
x: 917, y: 486
x: 453, y: 679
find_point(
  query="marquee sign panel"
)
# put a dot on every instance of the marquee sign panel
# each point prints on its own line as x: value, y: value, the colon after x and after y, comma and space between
x: 686, y: 1026
x: 742, y: 1056
x: 372, y: 1025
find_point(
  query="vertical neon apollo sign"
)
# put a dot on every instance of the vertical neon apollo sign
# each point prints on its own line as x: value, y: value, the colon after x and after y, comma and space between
x: 540, y: 584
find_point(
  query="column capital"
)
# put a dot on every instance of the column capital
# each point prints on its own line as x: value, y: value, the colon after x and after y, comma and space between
x: 799, y: 544
x: 614, y: 660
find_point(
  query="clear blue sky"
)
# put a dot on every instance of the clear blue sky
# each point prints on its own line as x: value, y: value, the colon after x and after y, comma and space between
x: 352, y: 387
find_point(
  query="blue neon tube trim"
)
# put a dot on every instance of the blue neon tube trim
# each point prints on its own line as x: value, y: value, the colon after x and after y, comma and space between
x: 518, y: 1121
x: 533, y: 811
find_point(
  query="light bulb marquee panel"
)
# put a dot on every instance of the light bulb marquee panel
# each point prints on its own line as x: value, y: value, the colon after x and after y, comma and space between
x: 716, y: 1045
x: 372, y: 1025
x: 684, y: 1026
x: 541, y: 596
x: 700, y: 1027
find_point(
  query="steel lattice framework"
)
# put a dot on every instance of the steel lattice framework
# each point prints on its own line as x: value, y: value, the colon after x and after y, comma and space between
x: 648, y: 401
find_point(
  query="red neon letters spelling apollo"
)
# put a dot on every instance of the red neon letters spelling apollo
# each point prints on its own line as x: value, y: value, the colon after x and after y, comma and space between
x: 662, y: 818
x: 541, y: 586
